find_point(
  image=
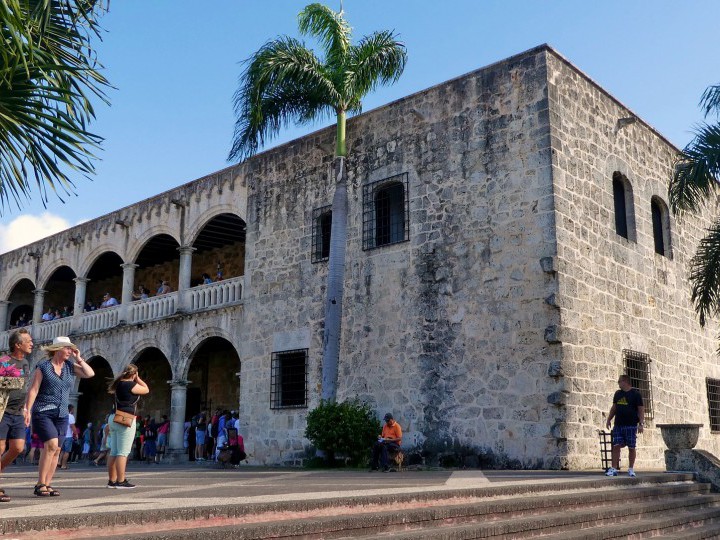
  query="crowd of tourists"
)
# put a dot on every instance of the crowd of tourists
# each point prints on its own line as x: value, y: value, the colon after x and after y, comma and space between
x: 39, y: 424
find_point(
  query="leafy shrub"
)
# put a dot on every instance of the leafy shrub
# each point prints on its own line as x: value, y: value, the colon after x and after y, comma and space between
x: 349, y: 429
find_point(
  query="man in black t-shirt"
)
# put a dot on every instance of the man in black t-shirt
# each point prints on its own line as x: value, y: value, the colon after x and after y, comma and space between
x: 628, y: 411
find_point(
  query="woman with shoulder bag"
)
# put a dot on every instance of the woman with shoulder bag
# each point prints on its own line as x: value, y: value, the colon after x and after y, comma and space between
x: 127, y: 388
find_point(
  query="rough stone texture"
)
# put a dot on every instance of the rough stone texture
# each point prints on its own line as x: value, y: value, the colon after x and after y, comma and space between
x: 495, y: 332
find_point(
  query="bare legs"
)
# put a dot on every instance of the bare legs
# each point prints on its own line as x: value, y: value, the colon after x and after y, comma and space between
x: 48, y: 462
x: 116, y: 468
x: 632, y: 452
x: 14, y: 449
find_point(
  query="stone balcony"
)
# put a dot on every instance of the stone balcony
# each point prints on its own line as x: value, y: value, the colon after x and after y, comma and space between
x: 225, y: 293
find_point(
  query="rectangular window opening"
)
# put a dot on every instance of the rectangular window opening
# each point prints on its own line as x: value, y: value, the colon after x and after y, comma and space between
x: 386, y: 212
x: 288, y: 381
x: 637, y: 367
x: 321, y: 232
x: 713, y: 397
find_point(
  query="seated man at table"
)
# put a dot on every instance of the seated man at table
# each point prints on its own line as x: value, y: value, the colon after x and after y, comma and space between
x: 389, y: 440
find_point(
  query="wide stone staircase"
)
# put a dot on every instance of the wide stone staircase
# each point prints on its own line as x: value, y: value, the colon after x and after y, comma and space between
x: 658, y: 505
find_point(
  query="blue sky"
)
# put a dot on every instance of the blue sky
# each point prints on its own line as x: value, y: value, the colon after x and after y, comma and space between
x: 175, y: 64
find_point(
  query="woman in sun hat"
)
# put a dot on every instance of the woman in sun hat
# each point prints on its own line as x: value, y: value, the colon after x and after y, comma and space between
x: 47, y: 402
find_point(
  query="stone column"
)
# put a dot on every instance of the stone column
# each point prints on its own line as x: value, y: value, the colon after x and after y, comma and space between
x: 4, y: 305
x: 38, y: 305
x: 178, y: 396
x: 127, y: 289
x: 79, y: 303
x: 185, y: 275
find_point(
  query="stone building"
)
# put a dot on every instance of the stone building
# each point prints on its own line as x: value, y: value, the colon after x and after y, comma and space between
x: 510, y: 253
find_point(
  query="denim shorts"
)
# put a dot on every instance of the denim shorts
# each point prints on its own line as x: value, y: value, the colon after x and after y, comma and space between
x: 67, y: 445
x: 624, y: 436
x: 162, y: 439
x: 12, y: 426
x: 50, y: 425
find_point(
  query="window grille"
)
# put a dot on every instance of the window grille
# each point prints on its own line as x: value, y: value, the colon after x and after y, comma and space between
x: 713, y: 397
x: 321, y: 230
x: 288, y: 381
x: 637, y: 367
x: 386, y: 212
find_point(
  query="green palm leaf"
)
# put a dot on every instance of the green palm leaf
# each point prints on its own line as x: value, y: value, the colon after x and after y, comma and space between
x: 48, y: 73
x: 696, y: 171
x: 704, y: 274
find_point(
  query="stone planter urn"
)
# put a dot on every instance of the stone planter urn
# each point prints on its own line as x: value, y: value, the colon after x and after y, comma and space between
x: 7, y: 384
x: 680, y: 436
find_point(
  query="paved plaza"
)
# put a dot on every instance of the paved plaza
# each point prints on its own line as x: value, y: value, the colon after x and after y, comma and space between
x: 168, y: 492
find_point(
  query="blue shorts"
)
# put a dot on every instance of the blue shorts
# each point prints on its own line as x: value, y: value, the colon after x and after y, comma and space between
x: 50, y: 425
x: 150, y: 449
x: 162, y: 439
x: 12, y: 426
x: 624, y: 436
x: 200, y: 437
x: 67, y: 445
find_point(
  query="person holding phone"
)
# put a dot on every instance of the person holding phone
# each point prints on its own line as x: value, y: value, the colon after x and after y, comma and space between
x: 127, y: 389
x: 46, y: 405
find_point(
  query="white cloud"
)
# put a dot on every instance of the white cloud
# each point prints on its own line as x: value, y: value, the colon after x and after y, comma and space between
x: 28, y: 228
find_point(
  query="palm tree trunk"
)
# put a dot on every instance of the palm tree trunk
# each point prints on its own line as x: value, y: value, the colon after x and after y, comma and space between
x: 335, y: 285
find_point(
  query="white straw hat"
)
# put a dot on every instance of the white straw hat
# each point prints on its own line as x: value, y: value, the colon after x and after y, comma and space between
x: 58, y: 343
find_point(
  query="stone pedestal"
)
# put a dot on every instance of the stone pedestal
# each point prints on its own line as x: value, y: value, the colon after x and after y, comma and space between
x: 680, y: 436
x: 7, y: 384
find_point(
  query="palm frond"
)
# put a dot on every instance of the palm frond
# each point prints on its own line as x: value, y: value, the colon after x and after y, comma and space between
x: 282, y: 70
x: 48, y: 71
x: 331, y: 28
x: 705, y: 274
x: 378, y: 59
x: 710, y: 100
x: 696, y: 171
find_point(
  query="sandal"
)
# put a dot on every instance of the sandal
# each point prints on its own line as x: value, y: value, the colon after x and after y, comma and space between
x: 3, y: 497
x: 39, y: 492
x: 53, y: 492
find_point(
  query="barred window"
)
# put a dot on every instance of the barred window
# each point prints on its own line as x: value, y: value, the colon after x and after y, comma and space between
x: 637, y: 366
x: 661, y: 226
x: 321, y: 230
x: 288, y: 381
x: 386, y: 212
x: 713, y: 397
x: 624, y: 206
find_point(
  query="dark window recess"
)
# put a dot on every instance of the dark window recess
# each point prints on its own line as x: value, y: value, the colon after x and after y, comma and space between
x: 288, y: 382
x: 386, y: 212
x: 713, y: 397
x: 621, y: 224
x: 322, y: 226
x: 637, y: 366
x: 657, y: 221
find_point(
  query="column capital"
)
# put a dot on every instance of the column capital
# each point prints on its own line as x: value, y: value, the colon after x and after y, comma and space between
x: 5, y: 302
x: 81, y: 280
x: 126, y: 266
x: 186, y: 250
x: 178, y: 383
x: 39, y: 292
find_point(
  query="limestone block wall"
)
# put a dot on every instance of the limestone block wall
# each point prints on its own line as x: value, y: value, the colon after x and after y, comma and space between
x: 446, y: 330
x: 616, y: 294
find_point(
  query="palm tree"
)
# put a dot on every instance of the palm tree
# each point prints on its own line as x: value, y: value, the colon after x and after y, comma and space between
x: 48, y: 72
x: 695, y: 183
x: 284, y: 81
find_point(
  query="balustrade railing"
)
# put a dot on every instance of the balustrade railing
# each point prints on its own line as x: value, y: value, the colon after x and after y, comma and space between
x: 217, y: 294
x: 46, y: 331
x: 101, y: 319
x: 156, y: 307
x: 213, y: 295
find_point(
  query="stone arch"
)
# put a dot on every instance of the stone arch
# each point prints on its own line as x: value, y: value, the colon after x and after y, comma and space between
x: 95, y: 351
x: 51, y: 268
x: 156, y: 372
x: 210, y: 372
x: 137, y: 246
x: 17, y: 278
x: 94, y: 402
x: 191, y: 347
x: 136, y: 350
x: 91, y: 258
x: 194, y: 228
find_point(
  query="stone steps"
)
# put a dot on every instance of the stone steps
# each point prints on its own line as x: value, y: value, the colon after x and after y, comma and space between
x: 664, y: 504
